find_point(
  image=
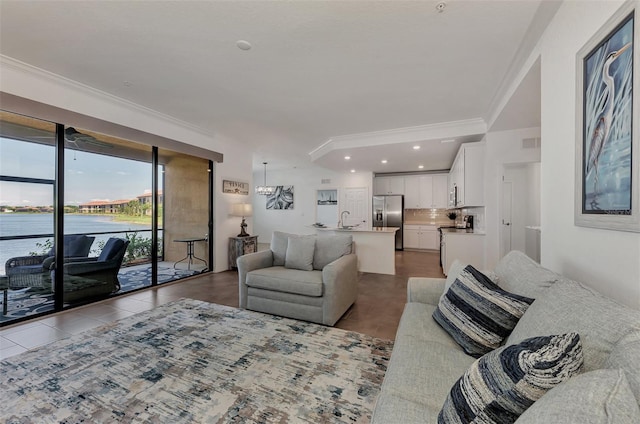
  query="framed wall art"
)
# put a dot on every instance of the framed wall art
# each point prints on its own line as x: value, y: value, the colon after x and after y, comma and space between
x: 235, y: 187
x: 282, y: 198
x: 607, y: 128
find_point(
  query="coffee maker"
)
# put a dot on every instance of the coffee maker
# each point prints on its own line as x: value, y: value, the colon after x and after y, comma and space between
x: 468, y: 222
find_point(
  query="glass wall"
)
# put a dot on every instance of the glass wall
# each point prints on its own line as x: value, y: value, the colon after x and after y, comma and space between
x: 107, y: 185
x: 27, y: 177
x: 114, y: 199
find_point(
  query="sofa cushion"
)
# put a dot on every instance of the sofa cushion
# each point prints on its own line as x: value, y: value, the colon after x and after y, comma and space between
x: 330, y: 248
x: 416, y: 323
x: 300, y: 253
x: 279, y: 243
x: 597, y: 397
x: 501, y: 385
x: 517, y: 273
x: 626, y: 356
x: 568, y: 306
x: 277, y: 278
x: 477, y: 313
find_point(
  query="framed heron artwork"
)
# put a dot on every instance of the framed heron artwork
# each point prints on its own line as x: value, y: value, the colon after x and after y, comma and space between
x: 606, y: 127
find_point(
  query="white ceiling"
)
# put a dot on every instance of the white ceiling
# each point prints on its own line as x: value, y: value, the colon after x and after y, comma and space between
x: 317, y: 70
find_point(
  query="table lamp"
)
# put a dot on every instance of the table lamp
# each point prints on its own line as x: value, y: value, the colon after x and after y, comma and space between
x: 243, y: 210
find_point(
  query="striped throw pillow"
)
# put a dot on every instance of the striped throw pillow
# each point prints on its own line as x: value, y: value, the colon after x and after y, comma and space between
x: 501, y: 385
x: 477, y: 313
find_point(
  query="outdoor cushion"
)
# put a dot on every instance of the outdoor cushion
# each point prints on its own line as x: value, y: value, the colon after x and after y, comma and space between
x: 308, y: 283
x: 300, y: 253
x: 330, y: 248
x: 75, y: 246
x: 501, y: 385
x: 626, y: 355
x: 279, y: 243
x: 111, y: 249
x: 568, y: 306
x: 597, y: 397
x: 478, y: 314
x: 517, y: 273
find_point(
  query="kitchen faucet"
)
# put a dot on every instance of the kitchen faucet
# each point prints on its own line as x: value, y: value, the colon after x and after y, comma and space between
x: 341, y: 222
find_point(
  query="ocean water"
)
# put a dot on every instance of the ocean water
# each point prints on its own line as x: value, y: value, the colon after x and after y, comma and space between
x: 14, y: 224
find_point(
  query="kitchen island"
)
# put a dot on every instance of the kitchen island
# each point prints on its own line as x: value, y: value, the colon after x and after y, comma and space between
x: 375, y: 248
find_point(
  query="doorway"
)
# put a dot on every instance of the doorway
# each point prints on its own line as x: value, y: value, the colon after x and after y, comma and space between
x: 520, y: 207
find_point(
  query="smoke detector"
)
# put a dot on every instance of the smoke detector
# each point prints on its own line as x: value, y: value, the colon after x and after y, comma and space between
x: 441, y: 6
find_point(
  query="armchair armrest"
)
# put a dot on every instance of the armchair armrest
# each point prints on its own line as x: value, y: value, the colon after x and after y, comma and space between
x: 425, y: 290
x: 23, y: 261
x: 248, y: 263
x: 340, y: 280
x: 88, y: 266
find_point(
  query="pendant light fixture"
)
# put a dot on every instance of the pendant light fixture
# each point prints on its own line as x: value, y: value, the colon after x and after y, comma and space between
x: 265, y: 190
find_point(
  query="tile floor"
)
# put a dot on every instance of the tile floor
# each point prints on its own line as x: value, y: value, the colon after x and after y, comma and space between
x: 377, y: 311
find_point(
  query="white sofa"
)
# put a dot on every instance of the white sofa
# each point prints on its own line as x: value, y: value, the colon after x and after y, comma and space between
x: 426, y: 361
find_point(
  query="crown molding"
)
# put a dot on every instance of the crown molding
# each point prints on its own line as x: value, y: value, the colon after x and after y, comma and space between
x: 30, y: 71
x: 442, y: 130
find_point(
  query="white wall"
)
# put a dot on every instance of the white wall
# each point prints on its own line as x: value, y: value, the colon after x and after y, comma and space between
x: 609, y: 261
x: 306, y: 181
x: 502, y: 147
x: 34, y: 84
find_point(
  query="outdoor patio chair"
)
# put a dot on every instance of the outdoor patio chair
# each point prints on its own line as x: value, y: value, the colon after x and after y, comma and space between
x: 92, y: 277
x: 27, y: 271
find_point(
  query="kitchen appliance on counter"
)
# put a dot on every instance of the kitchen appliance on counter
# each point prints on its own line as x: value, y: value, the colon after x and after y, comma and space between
x: 468, y: 222
x: 388, y: 211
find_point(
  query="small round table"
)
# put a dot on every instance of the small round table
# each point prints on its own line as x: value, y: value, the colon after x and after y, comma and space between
x: 190, y: 255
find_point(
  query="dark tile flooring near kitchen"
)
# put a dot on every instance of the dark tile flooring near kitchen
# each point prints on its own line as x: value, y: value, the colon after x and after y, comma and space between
x: 377, y: 310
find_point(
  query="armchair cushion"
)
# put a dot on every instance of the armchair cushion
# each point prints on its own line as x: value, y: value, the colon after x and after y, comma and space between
x: 300, y: 253
x: 75, y: 245
x: 111, y: 249
x: 330, y: 248
x: 285, y: 280
x: 279, y: 243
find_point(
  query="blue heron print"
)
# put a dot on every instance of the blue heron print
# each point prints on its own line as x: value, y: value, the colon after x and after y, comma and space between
x: 607, y: 124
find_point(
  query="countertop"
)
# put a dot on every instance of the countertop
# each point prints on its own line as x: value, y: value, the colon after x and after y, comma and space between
x: 361, y: 230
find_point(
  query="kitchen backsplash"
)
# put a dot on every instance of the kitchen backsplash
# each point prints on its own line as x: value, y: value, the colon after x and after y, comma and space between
x: 424, y: 216
x: 439, y: 217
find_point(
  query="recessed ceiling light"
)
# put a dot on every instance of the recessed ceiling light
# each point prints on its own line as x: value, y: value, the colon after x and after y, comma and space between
x: 441, y: 6
x: 420, y: 166
x: 383, y: 161
x: 353, y: 170
x: 243, y: 45
x: 451, y: 140
x: 347, y: 157
x: 416, y: 147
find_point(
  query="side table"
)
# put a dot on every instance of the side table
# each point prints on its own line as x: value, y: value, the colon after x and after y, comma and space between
x: 239, y: 246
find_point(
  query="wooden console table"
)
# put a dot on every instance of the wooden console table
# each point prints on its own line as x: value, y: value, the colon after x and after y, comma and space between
x: 239, y: 246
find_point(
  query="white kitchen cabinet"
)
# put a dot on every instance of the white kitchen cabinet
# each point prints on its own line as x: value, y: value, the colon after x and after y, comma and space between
x: 426, y: 191
x: 467, y: 248
x: 421, y: 237
x: 388, y: 185
x: 467, y: 176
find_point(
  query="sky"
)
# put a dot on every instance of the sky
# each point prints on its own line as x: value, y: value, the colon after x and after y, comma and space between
x: 88, y: 176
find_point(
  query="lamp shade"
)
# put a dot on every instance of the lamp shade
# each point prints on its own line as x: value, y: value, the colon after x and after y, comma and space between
x: 241, y: 209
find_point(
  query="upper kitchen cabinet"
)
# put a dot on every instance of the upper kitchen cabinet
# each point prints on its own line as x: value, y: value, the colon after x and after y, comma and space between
x: 466, y: 177
x: 388, y: 185
x: 425, y: 191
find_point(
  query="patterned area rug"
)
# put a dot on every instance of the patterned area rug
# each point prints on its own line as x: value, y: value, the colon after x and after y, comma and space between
x: 29, y: 301
x: 195, y: 362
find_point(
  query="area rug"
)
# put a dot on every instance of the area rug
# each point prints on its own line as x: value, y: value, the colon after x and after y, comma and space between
x: 195, y: 362
x: 29, y: 301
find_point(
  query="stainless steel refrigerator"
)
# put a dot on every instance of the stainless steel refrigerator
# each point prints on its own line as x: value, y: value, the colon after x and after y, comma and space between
x: 388, y: 211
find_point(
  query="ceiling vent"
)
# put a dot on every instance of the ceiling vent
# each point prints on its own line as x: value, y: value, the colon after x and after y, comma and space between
x: 325, y: 181
x: 531, y: 143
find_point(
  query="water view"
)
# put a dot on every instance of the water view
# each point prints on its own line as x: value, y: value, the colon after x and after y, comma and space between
x: 18, y: 224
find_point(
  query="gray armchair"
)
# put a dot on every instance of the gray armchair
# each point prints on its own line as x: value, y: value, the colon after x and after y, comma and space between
x: 92, y: 277
x: 302, y: 277
x: 27, y: 271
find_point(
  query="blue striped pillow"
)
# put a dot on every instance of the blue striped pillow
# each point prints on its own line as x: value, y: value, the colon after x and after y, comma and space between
x: 477, y: 313
x: 501, y: 385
